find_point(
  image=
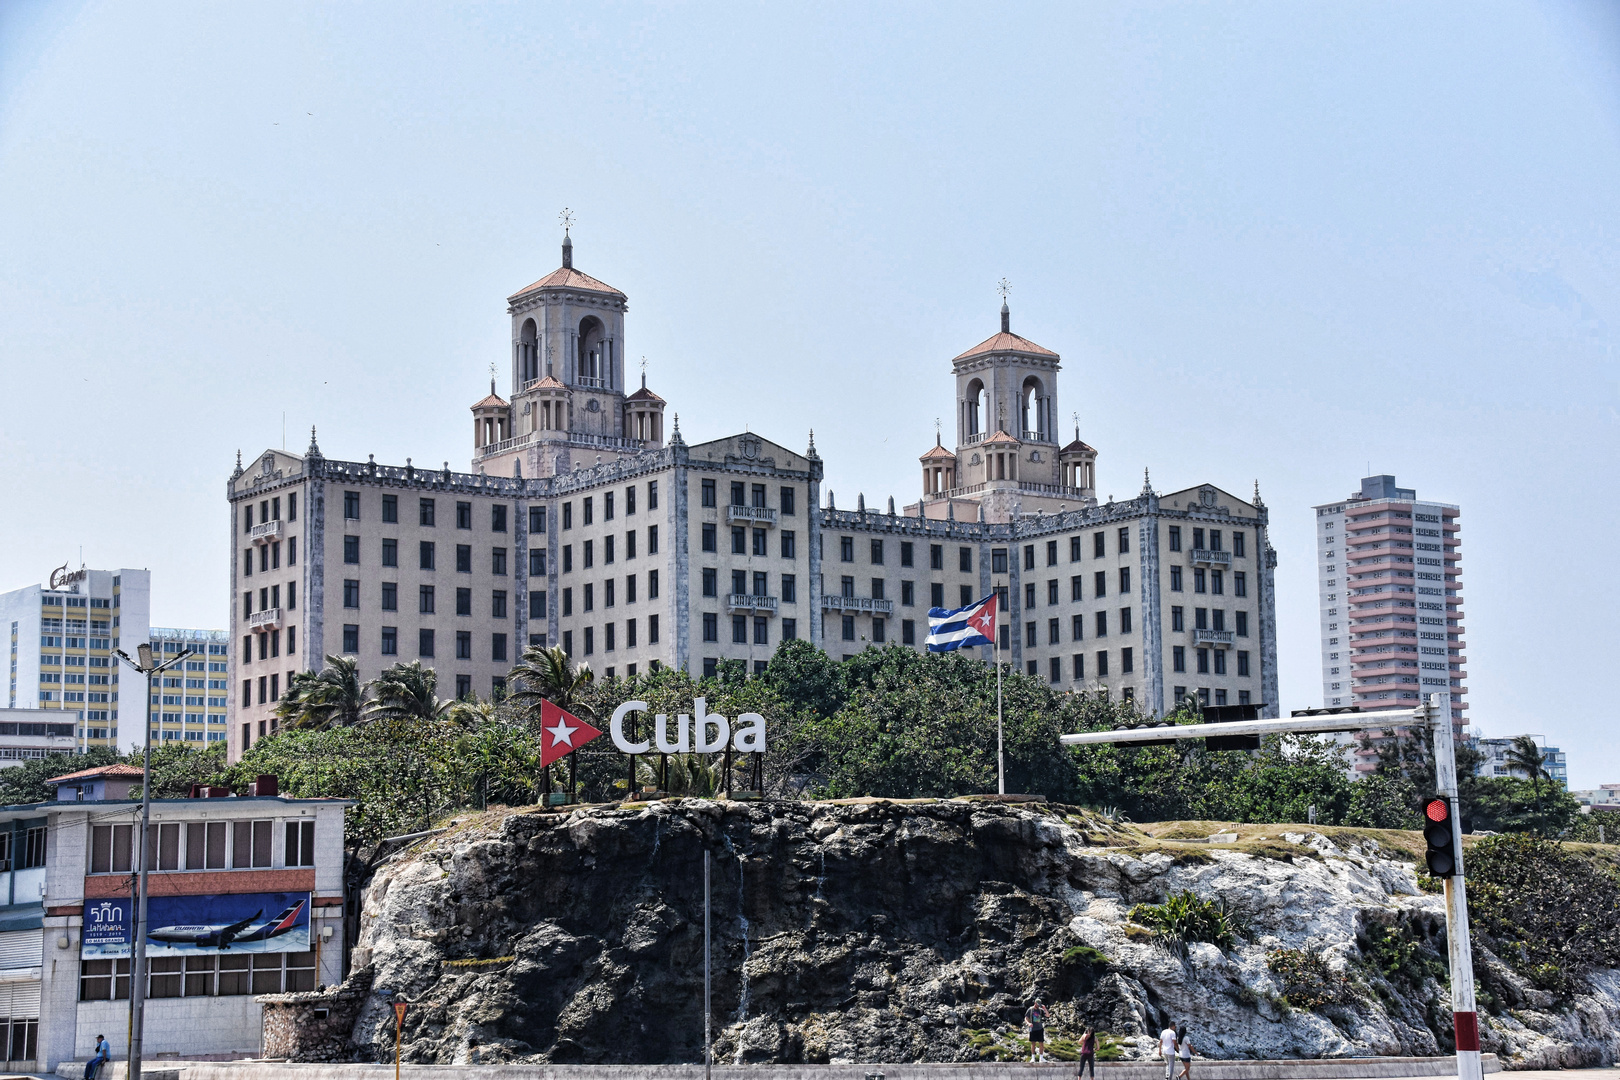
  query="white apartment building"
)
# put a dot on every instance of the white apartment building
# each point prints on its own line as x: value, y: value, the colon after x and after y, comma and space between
x: 61, y: 637
x: 582, y: 525
x: 30, y: 734
x: 1496, y: 759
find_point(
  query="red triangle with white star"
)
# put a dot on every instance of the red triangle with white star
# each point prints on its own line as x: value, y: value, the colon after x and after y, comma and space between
x: 561, y: 733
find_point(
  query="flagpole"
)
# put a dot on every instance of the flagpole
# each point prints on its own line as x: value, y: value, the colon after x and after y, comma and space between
x: 1001, y: 774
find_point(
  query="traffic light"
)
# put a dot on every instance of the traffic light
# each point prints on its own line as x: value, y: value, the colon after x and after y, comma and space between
x: 1437, y: 833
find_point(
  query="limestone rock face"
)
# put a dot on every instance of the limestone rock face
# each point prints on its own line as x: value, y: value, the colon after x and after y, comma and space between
x: 886, y: 931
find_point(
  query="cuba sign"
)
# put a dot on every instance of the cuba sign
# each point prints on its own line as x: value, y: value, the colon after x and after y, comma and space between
x: 701, y: 732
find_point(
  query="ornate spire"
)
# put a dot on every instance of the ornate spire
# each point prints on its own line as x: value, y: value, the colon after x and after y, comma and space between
x: 1258, y: 501
x: 675, y: 434
x: 891, y: 506
x: 566, y: 219
x: 811, y: 453
x: 1147, y: 485
x: 860, y: 502
x: 644, y: 373
x: 830, y: 504
x: 1004, y: 287
x: 238, y: 471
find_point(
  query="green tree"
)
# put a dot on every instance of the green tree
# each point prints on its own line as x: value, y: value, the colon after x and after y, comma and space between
x: 406, y: 692
x: 335, y: 697
x: 1525, y: 757
x: 547, y: 675
x: 1383, y: 801
x: 25, y: 783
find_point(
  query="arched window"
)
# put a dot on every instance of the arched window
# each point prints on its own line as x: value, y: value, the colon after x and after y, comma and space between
x: 1032, y: 410
x: 973, y: 409
x: 528, y: 352
x: 592, y: 362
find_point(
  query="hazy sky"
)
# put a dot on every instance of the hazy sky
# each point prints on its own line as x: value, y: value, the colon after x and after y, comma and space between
x: 1277, y: 241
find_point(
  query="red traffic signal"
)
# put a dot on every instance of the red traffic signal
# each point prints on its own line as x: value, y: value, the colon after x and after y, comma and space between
x: 1441, y: 856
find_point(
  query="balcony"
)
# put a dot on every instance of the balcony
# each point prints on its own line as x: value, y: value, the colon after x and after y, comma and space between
x: 265, y: 532
x: 759, y: 515
x: 857, y: 603
x: 263, y: 620
x: 1221, y: 638
x: 745, y: 602
x: 1206, y: 557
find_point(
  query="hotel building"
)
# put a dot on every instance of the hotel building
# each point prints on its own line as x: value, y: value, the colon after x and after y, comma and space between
x: 583, y: 523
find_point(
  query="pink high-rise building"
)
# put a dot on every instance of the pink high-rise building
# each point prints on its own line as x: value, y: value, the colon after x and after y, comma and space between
x: 1390, y: 587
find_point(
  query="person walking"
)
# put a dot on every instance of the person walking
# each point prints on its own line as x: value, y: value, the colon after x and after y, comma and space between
x: 102, y: 1055
x: 1184, y: 1050
x: 1167, y: 1050
x: 1088, y: 1054
x: 1036, y: 1019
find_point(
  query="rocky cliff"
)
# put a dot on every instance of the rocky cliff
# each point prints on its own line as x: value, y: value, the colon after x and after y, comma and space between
x: 917, y: 931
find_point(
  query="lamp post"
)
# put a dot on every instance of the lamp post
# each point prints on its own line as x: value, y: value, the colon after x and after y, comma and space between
x: 147, y: 666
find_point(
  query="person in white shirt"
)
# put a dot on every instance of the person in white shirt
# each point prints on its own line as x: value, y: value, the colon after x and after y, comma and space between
x: 1167, y: 1050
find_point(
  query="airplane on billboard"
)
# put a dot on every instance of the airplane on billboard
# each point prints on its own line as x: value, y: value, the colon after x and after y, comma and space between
x: 221, y: 935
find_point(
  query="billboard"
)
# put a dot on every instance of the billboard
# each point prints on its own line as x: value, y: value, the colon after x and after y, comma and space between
x: 237, y: 923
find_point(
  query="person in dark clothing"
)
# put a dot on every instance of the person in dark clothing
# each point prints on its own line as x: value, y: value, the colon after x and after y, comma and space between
x: 1088, y: 1054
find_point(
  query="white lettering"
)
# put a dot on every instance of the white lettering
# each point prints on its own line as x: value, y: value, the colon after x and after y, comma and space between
x: 683, y: 728
x: 704, y: 719
x: 750, y: 734
x: 616, y: 728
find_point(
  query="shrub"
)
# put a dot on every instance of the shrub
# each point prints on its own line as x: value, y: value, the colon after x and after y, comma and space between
x: 1184, y: 918
x: 1307, y: 980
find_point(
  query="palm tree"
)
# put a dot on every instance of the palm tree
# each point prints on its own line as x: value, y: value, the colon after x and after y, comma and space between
x: 545, y: 675
x: 332, y: 698
x: 1525, y: 756
x: 406, y: 692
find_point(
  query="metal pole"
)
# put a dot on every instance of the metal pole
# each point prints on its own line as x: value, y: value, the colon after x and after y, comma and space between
x: 137, y: 974
x: 708, y: 1044
x: 1001, y: 760
x: 1465, y: 1018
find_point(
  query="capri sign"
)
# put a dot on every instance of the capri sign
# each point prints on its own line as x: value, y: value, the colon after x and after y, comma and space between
x: 701, y: 732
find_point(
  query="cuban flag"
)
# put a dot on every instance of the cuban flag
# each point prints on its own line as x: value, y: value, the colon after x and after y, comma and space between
x: 965, y: 627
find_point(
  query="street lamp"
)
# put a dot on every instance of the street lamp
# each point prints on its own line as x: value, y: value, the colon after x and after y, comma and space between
x: 137, y: 975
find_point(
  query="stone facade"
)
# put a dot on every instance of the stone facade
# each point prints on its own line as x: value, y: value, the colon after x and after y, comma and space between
x: 314, y: 1026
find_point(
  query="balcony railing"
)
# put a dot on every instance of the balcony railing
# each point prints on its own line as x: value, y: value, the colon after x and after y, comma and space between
x: 268, y: 617
x: 266, y: 531
x: 763, y: 515
x: 857, y: 603
x: 586, y: 380
x: 1211, y: 558
x: 975, y: 438
x: 1222, y: 638
x: 745, y: 602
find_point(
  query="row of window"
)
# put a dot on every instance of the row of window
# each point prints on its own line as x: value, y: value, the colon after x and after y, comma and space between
x: 202, y: 845
x: 1239, y: 541
x: 588, y: 550
x: 759, y: 585
x: 270, y: 510
x: 610, y: 636
x: 588, y: 507
x: 1077, y: 628
x: 1203, y: 696
x: 201, y: 976
x: 742, y: 624
x: 740, y: 541
x: 1209, y: 619
x: 1210, y: 661
x: 269, y: 556
x: 760, y: 495
x: 269, y: 598
x: 269, y: 644
x: 610, y: 595
x: 1210, y: 581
